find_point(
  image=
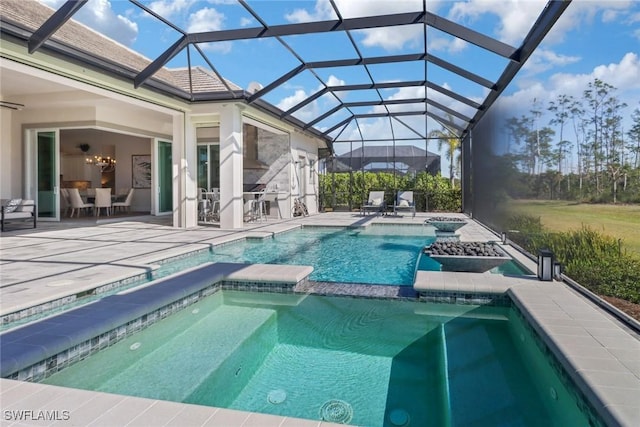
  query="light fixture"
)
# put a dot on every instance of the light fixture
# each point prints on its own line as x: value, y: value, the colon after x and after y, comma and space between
x: 545, y: 265
x: 106, y: 164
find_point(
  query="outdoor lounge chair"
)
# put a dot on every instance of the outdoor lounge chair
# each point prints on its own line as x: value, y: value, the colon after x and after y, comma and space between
x: 14, y: 210
x: 404, y: 202
x: 375, y: 203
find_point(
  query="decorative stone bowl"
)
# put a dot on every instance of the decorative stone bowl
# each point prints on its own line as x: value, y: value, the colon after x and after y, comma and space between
x: 447, y: 224
x: 473, y: 257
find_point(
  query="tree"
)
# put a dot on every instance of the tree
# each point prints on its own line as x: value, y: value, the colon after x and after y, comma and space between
x: 634, y: 135
x: 596, y: 95
x: 561, y: 108
x: 446, y: 136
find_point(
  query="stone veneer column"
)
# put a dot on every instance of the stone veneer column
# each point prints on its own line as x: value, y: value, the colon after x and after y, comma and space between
x: 231, y: 202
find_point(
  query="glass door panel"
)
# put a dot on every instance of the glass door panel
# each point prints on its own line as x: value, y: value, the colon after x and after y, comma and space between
x: 165, y: 178
x: 208, y: 166
x: 47, y: 175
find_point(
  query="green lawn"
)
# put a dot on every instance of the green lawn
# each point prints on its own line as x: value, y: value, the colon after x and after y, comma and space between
x: 620, y: 221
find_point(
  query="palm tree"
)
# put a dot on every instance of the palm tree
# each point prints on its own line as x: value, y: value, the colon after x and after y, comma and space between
x: 452, y: 141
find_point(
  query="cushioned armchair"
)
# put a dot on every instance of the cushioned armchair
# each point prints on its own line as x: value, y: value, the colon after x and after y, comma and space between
x: 18, y: 210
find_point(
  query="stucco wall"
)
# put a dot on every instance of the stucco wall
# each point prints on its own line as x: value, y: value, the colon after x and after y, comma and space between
x: 10, y: 155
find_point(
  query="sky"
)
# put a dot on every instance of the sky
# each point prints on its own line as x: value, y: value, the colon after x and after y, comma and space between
x: 593, y: 39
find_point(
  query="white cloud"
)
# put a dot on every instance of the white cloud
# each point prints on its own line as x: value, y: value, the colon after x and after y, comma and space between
x: 169, y: 8
x: 582, y: 13
x: 514, y: 15
x: 335, y: 81
x: 622, y: 75
x: 208, y: 19
x: 393, y: 38
x: 99, y: 16
x: 245, y: 22
x: 385, y: 37
x: 545, y: 59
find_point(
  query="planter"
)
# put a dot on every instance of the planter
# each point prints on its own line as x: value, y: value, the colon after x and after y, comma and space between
x: 472, y: 257
x: 446, y: 224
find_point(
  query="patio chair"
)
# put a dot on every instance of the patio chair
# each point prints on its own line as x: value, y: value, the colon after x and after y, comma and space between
x: 76, y: 202
x: 404, y: 202
x: 375, y: 203
x: 103, y: 200
x: 126, y: 204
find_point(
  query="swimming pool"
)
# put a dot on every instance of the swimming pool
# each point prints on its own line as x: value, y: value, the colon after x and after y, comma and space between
x: 371, y: 255
x: 358, y: 361
x: 377, y: 254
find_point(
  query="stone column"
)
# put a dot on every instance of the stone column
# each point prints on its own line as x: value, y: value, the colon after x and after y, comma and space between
x: 231, y: 202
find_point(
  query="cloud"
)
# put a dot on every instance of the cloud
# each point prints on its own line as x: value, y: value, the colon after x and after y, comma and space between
x: 393, y: 38
x: 514, y: 16
x: 384, y: 37
x: 99, y: 16
x: 334, y: 81
x: 622, y: 75
x: 169, y: 8
x: 582, y: 13
x: 208, y: 19
x: 545, y: 59
x: 245, y: 22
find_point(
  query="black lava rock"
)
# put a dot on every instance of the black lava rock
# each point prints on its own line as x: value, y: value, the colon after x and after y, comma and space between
x: 446, y: 219
x: 462, y: 249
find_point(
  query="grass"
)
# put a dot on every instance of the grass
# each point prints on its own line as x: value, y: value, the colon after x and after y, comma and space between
x: 619, y: 221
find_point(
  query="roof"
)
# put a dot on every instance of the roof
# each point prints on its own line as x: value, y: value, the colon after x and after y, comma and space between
x: 388, y: 152
x: 33, y: 14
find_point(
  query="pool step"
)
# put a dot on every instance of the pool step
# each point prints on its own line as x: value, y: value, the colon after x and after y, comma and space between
x: 175, y: 368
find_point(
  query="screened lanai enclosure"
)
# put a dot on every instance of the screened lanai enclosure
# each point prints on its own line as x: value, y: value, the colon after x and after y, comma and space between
x: 380, y: 81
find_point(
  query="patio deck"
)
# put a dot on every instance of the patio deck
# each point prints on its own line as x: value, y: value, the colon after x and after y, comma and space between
x: 57, y: 260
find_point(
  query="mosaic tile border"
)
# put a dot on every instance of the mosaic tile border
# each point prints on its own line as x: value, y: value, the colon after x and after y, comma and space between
x: 466, y: 298
x: 57, y: 305
x: 50, y: 307
x: 81, y: 351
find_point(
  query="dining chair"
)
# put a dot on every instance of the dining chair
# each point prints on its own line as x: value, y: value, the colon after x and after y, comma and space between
x: 103, y: 200
x: 67, y: 201
x: 126, y: 204
x: 76, y: 202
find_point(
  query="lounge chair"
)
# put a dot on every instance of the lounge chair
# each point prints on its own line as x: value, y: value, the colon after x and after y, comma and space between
x: 375, y: 203
x: 404, y: 202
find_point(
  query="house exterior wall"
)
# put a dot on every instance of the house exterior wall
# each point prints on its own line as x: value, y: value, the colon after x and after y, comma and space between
x: 92, y: 100
x: 10, y: 156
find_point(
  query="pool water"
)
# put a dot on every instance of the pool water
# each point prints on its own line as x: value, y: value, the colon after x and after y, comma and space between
x: 372, y: 255
x: 357, y: 361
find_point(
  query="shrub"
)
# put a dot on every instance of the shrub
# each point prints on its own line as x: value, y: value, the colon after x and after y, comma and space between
x: 594, y: 260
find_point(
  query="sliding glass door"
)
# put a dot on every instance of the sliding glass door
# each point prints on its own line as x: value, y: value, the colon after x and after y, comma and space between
x: 164, y: 177
x: 42, y: 166
x: 209, y: 166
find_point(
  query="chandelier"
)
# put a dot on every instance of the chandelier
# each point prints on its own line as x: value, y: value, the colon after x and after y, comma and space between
x: 106, y: 164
